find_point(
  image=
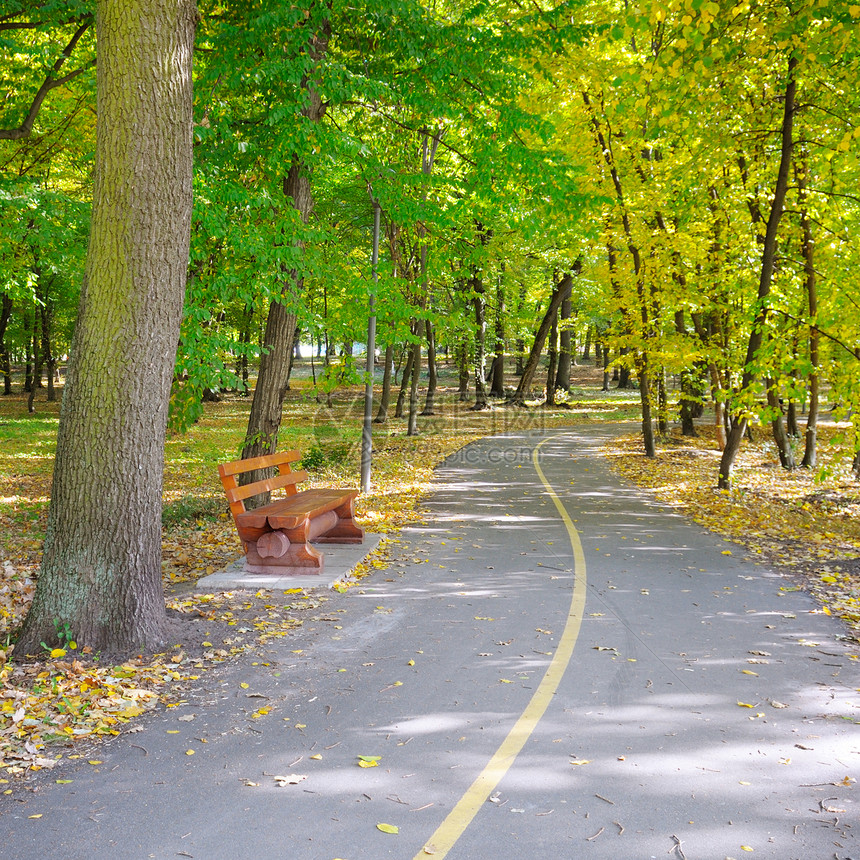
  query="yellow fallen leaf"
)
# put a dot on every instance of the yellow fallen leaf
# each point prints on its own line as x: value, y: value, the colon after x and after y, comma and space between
x: 95, y: 761
x: 317, y: 757
x: 172, y: 731
x: 39, y: 815
x: 189, y: 752
x: 301, y: 726
x: 57, y: 652
x: 749, y: 672
x: 582, y: 761
x: 411, y: 663
x: 746, y: 848
x: 745, y: 705
x: 505, y: 681
x: 729, y: 552
x: 388, y: 828
x: 244, y: 686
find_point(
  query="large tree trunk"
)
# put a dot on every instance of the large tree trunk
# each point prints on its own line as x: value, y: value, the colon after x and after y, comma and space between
x: 101, y: 568
x: 561, y: 289
x: 264, y: 422
x: 738, y: 424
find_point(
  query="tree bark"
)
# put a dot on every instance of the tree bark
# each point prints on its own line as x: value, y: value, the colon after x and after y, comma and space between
x: 481, y: 401
x: 385, y: 400
x: 497, y: 370
x: 565, y: 358
x: 264, y: 421
x: 463, y: 370
x: 5, y: 363
x: 738, y: 423
x: 405, y: 380
x: 432, y: 375
x: 810, y: 451
x: 101, y: 567
x: 780, y: 435
x: 561, y: 289
x: 552, y: 365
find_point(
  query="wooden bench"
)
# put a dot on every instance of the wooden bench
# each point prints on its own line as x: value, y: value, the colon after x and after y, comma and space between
x: 276, y: 537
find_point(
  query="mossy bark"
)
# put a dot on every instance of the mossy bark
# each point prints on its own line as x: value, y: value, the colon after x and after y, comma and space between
x: 101, y: 568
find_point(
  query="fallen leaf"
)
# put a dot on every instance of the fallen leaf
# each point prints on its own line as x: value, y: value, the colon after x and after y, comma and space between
x: 292, y: 779
x: 388, y: 828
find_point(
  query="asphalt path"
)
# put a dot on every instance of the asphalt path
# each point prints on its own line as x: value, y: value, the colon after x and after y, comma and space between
x: 553, y: 666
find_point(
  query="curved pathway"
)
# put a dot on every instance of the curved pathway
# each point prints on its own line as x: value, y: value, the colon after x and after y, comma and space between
x: 554, y: 666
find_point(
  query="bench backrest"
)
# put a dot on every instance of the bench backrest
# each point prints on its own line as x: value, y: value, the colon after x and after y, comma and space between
x: 286, y: 477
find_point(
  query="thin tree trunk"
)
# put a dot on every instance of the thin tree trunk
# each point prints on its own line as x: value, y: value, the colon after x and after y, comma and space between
x: 497, y: 371
x: 47, y: 315
x: 481, y: 401
x: 463, y: 370
x: 810, y: 452
x: 780, y: 436
x: 382, y: 414
x: 586, y: 347
x: 561, y: 289
x: 37, y: 364
x: 405, y: 381
x: 552, y: 364
x: 5, y: 362
x: 565, y: 354
x: 738, y: 423
x: 606, y: 372
x: 101, y: 568
x: 412, y: 423
x: 432, y: 377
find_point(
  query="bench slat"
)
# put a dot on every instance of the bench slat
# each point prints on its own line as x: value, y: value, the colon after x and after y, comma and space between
x: 237, y: 467
x: 237, y: 494
x: 288, y: 513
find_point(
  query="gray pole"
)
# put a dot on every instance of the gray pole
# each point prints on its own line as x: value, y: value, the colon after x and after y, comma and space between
x: 366, y: 441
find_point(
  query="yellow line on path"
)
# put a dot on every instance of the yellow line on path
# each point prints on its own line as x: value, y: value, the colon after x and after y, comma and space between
x: 459, y: 818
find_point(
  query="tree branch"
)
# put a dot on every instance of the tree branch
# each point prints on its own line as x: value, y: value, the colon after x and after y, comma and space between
x: 51, y: 82
x: 853, y: 351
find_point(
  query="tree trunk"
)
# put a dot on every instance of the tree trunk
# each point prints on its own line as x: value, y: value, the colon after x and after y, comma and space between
x: 561, y: 289
x: 643, y: 372
x: 412, y: 423
x: 46, y: 310
x: 5, y: 362
x: 101, y: 568
x: 481, y: 401
x: 432, y: 377
x: 586, y: 347
x: 738, y: 422
x: 565, y: 357
x: 552, y: 364
x: 463, y: 370
x: 405, y: 381
x: 497, y: 371
x: 382, y: 414
x: 37, y: 364
x: 780, y: 435
x: 606, y: 372
x: 810, y: 453
x: 264, y: 421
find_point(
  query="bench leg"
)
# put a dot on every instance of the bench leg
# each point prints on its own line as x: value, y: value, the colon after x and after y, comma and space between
x: 346, y: 530
x: 281, y: 554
